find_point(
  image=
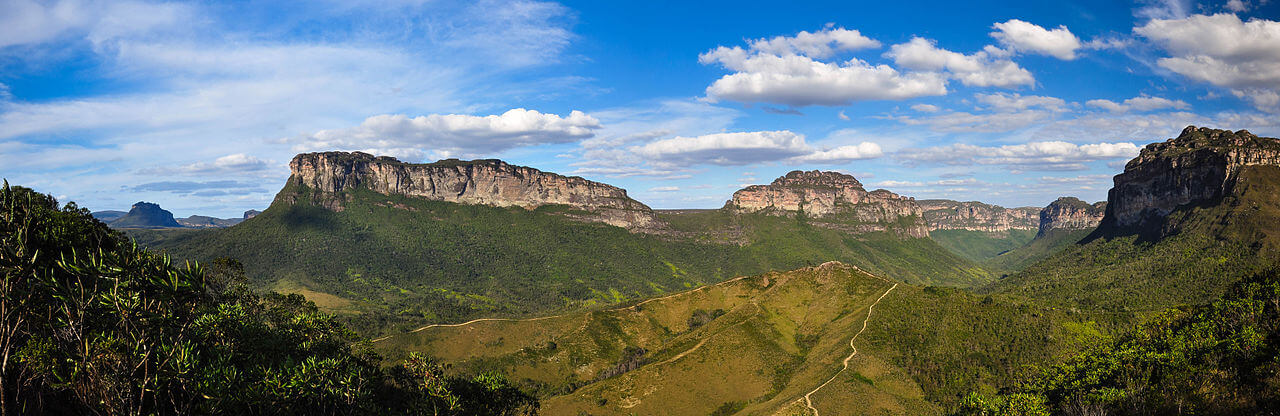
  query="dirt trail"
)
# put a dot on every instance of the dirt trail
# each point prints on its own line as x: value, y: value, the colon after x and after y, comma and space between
x: 809, y: 403
x: 563, y: 315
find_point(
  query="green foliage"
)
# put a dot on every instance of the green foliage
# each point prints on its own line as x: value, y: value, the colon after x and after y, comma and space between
x: 1039, y: 248
x: 402, y: 262
x: 1222, y: 358
x: 91, y: 324
x: 979, y: 246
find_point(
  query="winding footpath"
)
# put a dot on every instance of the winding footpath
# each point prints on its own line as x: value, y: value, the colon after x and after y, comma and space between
x: 809, y: 403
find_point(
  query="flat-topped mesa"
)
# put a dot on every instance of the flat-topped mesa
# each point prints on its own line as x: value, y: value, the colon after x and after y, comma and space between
x: 945, y: 214
x: 1200, y: 165
x: 477, y: 182
x: 1070, y: 213
x: 833, y: 200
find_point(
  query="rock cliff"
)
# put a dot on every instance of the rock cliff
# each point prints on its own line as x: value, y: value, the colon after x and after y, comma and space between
x: 146, y: 215
x: 329, y: 175
x: 944, y: 214
x: 1070, y: 213
x: 833, y: 200
x: 1200, y: 166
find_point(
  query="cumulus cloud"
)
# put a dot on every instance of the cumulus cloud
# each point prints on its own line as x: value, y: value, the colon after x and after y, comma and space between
x: 1033, y: 156
x: 238, y: 163
x: 742, y: 148
x: 925, y: 108
x: 1027, y: 37
x: 986, y: 68
x: 1007, y: 102
x: 1225, y: 51
x: 1139, y: 103
x: 450, y: 134
x: 788, y: 70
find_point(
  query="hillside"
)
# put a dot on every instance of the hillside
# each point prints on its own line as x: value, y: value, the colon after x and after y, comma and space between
x: 145, y: 215
x: 389, y: 261
x: 1064, y: 222
x: 778, y: 336
x: 1186, y: 219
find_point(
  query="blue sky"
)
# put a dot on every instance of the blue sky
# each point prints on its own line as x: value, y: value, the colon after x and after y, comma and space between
x: 199, y: 106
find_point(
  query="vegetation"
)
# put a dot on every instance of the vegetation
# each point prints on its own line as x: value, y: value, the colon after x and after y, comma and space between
x: 980, y: 246
x: 91, y: 324
x: 1038, y: 248
x: 1223, y: 358
x: 392, y: 263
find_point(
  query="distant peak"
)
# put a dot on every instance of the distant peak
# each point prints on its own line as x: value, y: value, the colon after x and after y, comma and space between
x: 817, y: 178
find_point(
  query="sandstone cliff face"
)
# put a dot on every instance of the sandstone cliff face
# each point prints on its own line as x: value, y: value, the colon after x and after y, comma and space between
x: 477, y: 182
x: 1200, y: 165
x: 1070, y: 213
x: 833, y: 200
x: 943, y: 214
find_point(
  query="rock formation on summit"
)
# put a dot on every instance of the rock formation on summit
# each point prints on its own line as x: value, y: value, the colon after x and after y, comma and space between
x: 146, y: 215
x: 1199, y: 166
x: 329, y: 175
x: 833, y: 200
x: 1070, y: 213
x: 945, y: 214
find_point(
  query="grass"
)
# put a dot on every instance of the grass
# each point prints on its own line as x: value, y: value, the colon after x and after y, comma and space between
x: 403, y: 262
x: 979, y: 246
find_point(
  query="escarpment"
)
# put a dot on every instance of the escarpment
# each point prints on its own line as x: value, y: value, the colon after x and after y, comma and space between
x: 944, y: 214
x: 1070, y: 213
x: 1198, y: 167
x: 833, y: 200
x: 328, y: 176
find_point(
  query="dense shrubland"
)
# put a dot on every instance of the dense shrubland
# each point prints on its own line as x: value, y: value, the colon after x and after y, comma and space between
x: 92, y: 324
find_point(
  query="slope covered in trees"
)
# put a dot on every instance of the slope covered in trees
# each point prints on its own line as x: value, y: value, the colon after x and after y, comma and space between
x: 92, y: 324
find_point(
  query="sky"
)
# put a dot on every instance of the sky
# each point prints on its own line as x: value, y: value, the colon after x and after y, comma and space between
x: 199, y: 106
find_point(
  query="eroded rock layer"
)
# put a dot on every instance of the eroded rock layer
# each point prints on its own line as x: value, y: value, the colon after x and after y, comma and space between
x: 833, y: 200
x: 944, y: 214
x: 478, y: 182
x: 1070, y: 213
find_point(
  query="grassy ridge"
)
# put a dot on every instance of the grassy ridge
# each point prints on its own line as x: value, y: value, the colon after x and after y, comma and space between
x: 1035, y: 250
x: 393, y: 262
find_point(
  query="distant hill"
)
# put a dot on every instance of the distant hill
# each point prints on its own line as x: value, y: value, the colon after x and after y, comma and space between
x: 1186, y: 219
x: 392, y: 255
x: 1062, y: 223
x: 145, y: 215
x: 108, y: 216
x: 201, y: 221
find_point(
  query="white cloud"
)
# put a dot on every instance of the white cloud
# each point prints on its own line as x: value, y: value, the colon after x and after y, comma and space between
x: 821, y: 44
x: 1237, y: 6
x: 986, y: 68
x: 1027, y: 37
x: 1163, y: 9
x: 1033, y: 156
x: 1139, y: 103
x: 841, y: 115
x: 1008, y: 102
x: 238, y: 163
x: 26, y: 22
x: 664, y: 189
x: 742, y: 148
x: 1224, y: 51
x: 453, y: 134
x: 925, y: 108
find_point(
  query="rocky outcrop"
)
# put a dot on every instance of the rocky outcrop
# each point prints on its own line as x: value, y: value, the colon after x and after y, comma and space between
x: 251, y: 213
x: 1197, y: 167
x: 944, y: 214
x: 833, y: 200
x: 146, y: 215
x: 329, y: 175
x: 1070, y: 213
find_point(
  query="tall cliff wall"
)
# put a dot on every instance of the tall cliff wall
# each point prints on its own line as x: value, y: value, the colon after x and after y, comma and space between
x: 478, y: 182
x: 1070, y: 213
x: 945, y: 214
x: 1198, y: 166
x: 833, y: 200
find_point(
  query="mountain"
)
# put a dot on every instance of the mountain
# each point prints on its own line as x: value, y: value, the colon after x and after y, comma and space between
x: 978, y: 231
x: 109, y: 215
x: 833, y: 200
x: 760, y: 345
x: 1187, y: 218
x: 476, y: 182
x: 201, y: 221
x: 145, y: 215
x: 1070, y: 213
x: 389, y: 244
x: 944, y: 214
x: 251, y: 213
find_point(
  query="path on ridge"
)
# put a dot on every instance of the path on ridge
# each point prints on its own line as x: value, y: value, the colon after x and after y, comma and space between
x: 809, y: 403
